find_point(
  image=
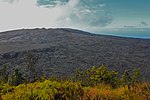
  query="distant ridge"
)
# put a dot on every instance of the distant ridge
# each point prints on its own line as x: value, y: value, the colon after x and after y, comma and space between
x: 60, y: 51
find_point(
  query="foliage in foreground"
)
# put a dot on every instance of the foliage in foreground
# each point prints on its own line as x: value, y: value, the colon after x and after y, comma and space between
x: 96, y: 75
x: 96, y: 83
x: 66, y: 90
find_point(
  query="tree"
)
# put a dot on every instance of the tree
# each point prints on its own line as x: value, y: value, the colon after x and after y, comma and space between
x: 3, y: 74
x: 103, y: 75
x: 126, y: 78
x: 16, y: 78
x: 129, y: 78
x: 93, y: 76
x: 31, y: 61
x: 136, y: 74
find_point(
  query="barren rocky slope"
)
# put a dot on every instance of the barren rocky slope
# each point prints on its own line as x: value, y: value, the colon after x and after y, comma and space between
x: 61, y: 51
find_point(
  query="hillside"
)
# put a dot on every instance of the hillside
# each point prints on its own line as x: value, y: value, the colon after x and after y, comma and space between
x: 61, y: 51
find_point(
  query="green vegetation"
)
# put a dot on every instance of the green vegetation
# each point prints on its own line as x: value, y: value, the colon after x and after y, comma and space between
x: 30, y: 64
x: 93, y: 76
x: 96, y: 83
x: 3, y: 74
x: 16, y: 78
x: 66, y: 90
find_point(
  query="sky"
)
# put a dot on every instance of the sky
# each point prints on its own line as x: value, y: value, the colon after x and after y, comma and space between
x: 88, y: 15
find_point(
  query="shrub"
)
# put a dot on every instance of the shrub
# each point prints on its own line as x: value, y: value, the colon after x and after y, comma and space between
x: 93, y: 76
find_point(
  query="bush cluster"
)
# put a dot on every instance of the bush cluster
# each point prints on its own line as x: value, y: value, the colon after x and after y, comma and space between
x: 66, y: 90
x: 96, y: 75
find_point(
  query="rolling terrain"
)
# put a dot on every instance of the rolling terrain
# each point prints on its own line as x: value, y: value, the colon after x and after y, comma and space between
x: 61, y: 51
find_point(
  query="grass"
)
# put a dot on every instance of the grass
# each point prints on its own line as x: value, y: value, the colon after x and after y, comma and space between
x: 67, y: 90
x: 96, y: 83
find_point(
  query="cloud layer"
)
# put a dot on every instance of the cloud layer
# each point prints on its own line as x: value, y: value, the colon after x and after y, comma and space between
x: 83, y: 14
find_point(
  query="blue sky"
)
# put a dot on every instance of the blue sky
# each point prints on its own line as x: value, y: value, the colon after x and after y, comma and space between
x: 89, y: 15
x: 129, y: 12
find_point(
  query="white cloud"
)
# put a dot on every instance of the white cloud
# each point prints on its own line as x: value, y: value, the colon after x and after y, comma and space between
x: 16, y: 14
x: 9, y: 1
x: 26, y: 14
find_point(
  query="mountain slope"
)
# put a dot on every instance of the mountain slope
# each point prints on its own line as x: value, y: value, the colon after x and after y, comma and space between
x: 60, y: 51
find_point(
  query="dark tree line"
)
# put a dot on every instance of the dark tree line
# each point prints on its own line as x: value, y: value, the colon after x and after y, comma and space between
x: 91, y: 76
x: 16, y: 77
